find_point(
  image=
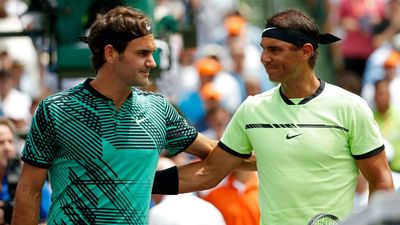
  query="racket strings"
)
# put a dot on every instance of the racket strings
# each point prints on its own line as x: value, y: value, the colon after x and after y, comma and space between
x: 326, y: 221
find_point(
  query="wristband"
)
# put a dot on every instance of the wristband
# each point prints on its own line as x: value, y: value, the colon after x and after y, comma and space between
x: 166, y: 182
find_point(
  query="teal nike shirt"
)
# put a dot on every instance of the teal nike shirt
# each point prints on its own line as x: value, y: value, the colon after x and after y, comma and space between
x: 102, y: 161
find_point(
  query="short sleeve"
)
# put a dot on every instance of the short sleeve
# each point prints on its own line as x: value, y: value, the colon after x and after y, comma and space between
x: 365, y: 137
x: 40, y: 145
x: 180, y: 134
x: 235, y: 138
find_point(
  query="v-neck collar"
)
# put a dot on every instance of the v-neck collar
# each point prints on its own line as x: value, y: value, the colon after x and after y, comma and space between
x: 306, y: 99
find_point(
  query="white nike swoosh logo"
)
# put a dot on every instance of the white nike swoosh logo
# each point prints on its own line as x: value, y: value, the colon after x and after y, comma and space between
x: 148, y: 27
x: 269, y: 28
x: 141, y: 120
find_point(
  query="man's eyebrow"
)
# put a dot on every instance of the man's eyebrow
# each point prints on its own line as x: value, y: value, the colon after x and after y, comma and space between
x: 145, y: 50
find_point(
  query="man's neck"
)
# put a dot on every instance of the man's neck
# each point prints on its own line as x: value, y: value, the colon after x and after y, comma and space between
x: 302, y: 87
x: 111, y: 88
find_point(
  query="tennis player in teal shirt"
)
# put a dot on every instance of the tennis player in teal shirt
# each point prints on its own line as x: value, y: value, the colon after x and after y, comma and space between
x: 99, y: 142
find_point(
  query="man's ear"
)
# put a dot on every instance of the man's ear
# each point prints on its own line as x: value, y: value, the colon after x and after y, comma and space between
x: 307, y: 50
x: 109, y: 53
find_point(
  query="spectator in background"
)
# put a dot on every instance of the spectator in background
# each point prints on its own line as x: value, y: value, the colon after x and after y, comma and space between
x: 252, y: 85
x: 374, y: 69
x: 392, y: 74
x: 244, y: 58
x: 215, y: 84
x: 14, y: 103
x: 237, y: 198
x: 182, y: 209
x: 384, y: 64
x: 217, y: 118
x: 189, y: 79
x: 229, y: 90
x: 192, y: 103
x: 235, y: 25
x: 9, y: 174
x: 387, y: 116
x: 209, y: 15
x: 357, y: 18
x: 349, y: 80
x: 386, y: 38
x: 389, y: 26
x: 169, y: 21
x: 211, y: 98
x: 22, y: 49
x: 7, y: 151
x: 240, y: 49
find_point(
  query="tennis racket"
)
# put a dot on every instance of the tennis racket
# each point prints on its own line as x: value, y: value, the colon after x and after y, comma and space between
x: 324, y: 219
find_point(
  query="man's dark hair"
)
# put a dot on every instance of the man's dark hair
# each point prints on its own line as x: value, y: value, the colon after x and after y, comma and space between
x: 296, y: 20
x: 117, y: 27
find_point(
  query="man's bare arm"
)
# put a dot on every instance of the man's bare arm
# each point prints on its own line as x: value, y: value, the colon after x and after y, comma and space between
x: 28, y: 195
x: 207, y: 173
x: 249, y: 164
x: 201, y: 146
x: 166, y: 181
x: 377, y: 172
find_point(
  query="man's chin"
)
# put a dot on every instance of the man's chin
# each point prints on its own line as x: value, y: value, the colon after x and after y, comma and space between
x: 143, y: 83
x: 273, y: 79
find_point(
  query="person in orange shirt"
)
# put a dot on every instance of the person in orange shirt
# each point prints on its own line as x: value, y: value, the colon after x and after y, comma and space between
x: 237, y: 198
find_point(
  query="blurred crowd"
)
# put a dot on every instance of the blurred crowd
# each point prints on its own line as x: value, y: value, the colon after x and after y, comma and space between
x: 213, y: 63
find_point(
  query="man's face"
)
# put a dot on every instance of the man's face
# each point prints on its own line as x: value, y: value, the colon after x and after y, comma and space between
x: 7, y: 148
x: 134, y: 64
x: 281, y: 59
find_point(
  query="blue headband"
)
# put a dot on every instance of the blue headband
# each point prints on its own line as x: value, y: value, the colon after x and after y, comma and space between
x: 298, y: 38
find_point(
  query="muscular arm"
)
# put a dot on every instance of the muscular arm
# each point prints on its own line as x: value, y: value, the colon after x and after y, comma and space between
x: 377, y: 172
x: 166, y: 181
x: 207, y: 173
x: 193, y: 177
x: 201, y: 146
x: 27, y: 203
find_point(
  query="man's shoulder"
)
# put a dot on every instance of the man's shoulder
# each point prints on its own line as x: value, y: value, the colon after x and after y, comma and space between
x: 149, y: 97
x: 340, y: 94
x: 148, y: 94
x: 340, y: 98
x: 63, y: 94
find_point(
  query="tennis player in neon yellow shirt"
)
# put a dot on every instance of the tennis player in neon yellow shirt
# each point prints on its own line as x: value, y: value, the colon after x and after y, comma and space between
x: 310, y: 138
